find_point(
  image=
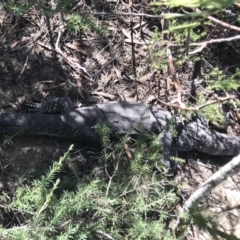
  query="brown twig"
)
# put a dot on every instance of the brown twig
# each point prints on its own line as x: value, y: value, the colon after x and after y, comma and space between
x: 74, y: 65
x: 197, y: 108
x: 25, y: 64
x: 125, y: 14
x: 173, y: 73
x: 205, y: 43
x: 220, y: 22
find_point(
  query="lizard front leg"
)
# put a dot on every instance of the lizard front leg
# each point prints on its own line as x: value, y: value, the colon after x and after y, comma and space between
x: 56, y: 105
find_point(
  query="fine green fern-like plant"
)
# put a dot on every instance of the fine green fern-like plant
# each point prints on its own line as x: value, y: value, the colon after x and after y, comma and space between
x: 220, y: 81
x: 122, y: 197
x: 211, y: 112
x: 77, y: 23
x: 157, y: 52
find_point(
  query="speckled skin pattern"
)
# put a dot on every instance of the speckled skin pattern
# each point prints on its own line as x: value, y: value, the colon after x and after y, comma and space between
x: 57, y: 105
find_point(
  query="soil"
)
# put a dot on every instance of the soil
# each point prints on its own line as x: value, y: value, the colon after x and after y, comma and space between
x: 32, y: 66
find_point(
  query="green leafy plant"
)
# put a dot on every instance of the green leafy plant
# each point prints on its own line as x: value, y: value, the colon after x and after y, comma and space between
x: 157, y: 52
x: 77, y: 22
x: 211, y: 112
x: 123, y: 197
x: 17, y: 9
x: 220, y: 81
x: 209, y: 5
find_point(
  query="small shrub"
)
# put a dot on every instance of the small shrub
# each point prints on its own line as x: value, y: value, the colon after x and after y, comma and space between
x: 220, y: 81
x: 122, y: 198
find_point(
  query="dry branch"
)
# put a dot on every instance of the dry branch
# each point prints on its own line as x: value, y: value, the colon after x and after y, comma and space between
x: 197, y: 108
x: 205, y: 43
x: 220, y: 22
x: 217, y: 178
x: 74, y: 65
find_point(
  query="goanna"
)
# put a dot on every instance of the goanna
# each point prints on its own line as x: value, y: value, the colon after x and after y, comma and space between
x: 122, y: 118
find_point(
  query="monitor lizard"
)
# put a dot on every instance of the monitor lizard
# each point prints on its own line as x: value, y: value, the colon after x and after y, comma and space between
x: 122, y: 118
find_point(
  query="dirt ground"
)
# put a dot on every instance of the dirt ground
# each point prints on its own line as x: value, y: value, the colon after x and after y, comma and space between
x: 33, y: 64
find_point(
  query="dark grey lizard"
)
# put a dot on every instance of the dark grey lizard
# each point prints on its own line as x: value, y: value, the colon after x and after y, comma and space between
x: 123, y: 117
